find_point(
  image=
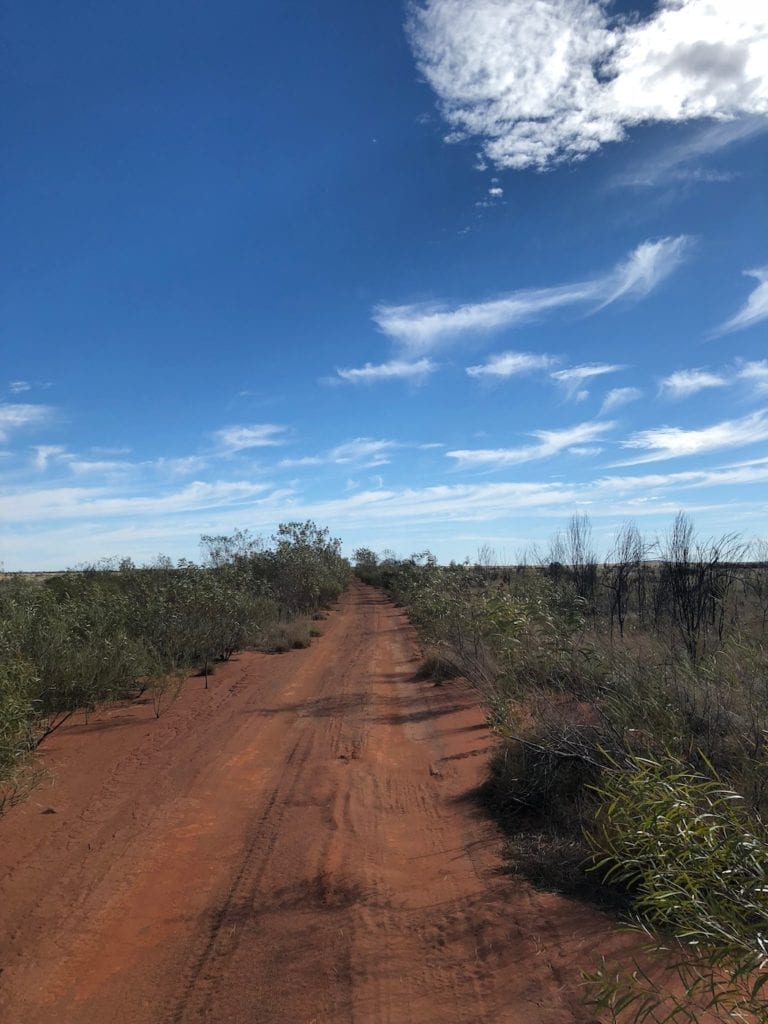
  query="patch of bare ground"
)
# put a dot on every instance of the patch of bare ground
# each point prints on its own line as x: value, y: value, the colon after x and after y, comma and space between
x: 298, y: 843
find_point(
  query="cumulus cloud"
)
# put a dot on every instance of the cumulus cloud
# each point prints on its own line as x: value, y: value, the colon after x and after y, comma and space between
x: 573, y: 378
x: 617, y: 397
x: 257, y: 435
x: 396, y: 369
x: 14, y: 416
x: 421, y: 327
x: 548, y: 443
x: 511, y: 364
x: 661, y: 443
x: 684, y: 383
x: 756, y: 307
x: 542, y: 83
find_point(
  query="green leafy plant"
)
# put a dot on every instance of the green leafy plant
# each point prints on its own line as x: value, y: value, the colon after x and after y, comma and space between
x: 696, y: 863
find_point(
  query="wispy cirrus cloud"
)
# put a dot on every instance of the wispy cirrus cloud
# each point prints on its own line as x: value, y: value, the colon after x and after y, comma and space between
x: 415, y: 371
x: 363, y: 452
x: 684, y: 383
x: 543, y: 83
x: 660, y: 443
x: 645, y: 268
x: 90, y: 502
x: 511, y: 364
x: 681, y: 162
x: 756, y: 307
x: 18, y: 387
x: 617, y: 397
x: 421, y: 327
x: 755, y: 373
x: 53, y: 527
x: 547, y: 444
x: 17, y: 415
x: 573, y: 378
x: 47, y: 453
x: 255, y: 435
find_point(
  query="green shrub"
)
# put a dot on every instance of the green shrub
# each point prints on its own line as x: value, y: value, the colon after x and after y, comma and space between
x: 696, y: 863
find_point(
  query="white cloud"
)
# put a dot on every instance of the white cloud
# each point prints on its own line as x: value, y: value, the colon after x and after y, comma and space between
x: 684, y: 383
x: 585, y: 449
x: 680, y: 162
x: 756, y: 307
x: 257, y: 435
x: 548, y: 443
x: 617, y: 397
x: 365, y: 452
x: 547, y: 82
x: 512, y: 364
x: 183, y: 465
x: 645, y: 268
x: 756, y: 373
x: 673, y: 442
x: 45, y: 453
x: 18, y: 387
x: 52, y: 527
x: 396, y: 369
x: 14, y: 416
x: 84, y: 467
x: 361, y: 449
x: 496, y: 192
x: 573, y: 378
x: 420, y: 327
x: 91, y: 502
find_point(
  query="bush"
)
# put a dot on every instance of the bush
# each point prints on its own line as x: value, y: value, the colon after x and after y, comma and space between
x: 696, y: 862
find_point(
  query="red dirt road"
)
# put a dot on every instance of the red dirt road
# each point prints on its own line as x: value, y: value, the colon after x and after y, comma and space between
x: 297, y: 844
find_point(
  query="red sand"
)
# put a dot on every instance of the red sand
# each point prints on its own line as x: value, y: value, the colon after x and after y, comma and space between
x: 297, y: 844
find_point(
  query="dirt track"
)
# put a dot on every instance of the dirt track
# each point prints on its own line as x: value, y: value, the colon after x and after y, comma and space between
x: 297, y: 844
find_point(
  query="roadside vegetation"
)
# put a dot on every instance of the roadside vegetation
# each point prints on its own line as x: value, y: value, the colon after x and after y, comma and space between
x: 630, y: 702
x: 114, y: 630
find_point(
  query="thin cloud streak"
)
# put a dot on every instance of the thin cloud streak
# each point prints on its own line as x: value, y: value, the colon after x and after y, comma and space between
x: 684, y: 383
x: 421, y: 327
x: 396, y: 369
x: 756, y: 307
x: 674, y: 164
x: 363, y: 452
x: 17, y: 415
x: 511, y: 364
x: 255, y: 435
x: 573, y: 378
x: 617, y: 397
x: 660, y: 443
x: 549, y: 443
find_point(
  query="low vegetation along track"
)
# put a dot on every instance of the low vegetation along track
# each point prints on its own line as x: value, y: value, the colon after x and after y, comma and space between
x: 296, y: 844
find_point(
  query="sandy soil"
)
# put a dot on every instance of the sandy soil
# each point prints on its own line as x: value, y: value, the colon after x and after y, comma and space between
x: 297, y: 844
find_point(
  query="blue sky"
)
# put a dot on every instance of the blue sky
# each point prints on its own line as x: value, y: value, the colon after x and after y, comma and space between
x: 433, y: 275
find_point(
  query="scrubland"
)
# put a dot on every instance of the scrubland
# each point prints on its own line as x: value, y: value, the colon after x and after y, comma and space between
x: 113, y: 630
x: 630, y: 703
